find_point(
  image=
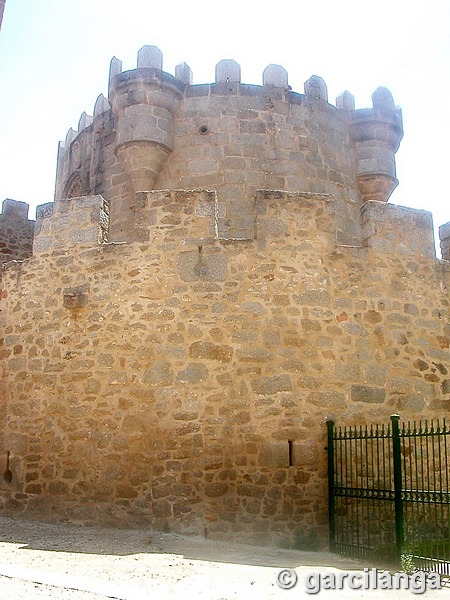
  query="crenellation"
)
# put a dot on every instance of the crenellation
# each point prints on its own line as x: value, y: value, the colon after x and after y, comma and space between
x: 219, y: 274
x: 84, y: 121
x: 101, y: 105
x: 345, y: 101
x: 444, y: 238
x: 383, y: 101
x: 275, y: 75
x: 80, y: 221
x: 315, y: 87
x: 15, y: 210
x: 16, y: 231
x: 70, y: 136
x: 398, y: 230
x: 228, y: 71
x: 150, y: 57
x: 115, y: 68
x: 183, y: 73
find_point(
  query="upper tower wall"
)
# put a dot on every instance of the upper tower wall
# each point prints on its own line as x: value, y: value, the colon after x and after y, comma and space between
x: 157, y: 131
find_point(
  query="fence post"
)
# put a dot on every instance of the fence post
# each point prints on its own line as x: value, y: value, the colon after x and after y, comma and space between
x: 399, y: 529
x: 331, y: 524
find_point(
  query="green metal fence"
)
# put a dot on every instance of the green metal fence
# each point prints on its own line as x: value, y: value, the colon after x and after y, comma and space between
x: 389, y: 492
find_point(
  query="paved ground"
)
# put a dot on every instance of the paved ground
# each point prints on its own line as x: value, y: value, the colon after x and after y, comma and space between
x: 49, y: 561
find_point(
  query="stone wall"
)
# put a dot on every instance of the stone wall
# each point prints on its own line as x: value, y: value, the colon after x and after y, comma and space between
x: 16, y: 231
x: 184, y: 379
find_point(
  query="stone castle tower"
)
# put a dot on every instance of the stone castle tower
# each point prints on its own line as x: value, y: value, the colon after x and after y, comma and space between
x: 220, y: 273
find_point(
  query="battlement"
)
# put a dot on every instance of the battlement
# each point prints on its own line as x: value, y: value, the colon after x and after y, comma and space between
x: 16, y: 231
x: 160, y: 131
x: 192, y: 218
x: 444, y: 237
x: 227, y: 82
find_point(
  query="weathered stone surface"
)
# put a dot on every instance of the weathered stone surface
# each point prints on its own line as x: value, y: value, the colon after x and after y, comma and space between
x: 160, y: 374
x: 316, y: 88
x: 204, y: 267
x: 271, y: 385
x: 216, y: 489
x: 211, y: 351
x: 275, y: 454
x: 184, y: 73
x: 193, y: 373
x: 363, y: 393
x: 76, y: 297
x: 228, y: 71
x: 382, y: 100
x: 444, y: 237
x: 115, y: 67
x: 148, y: 57
x: 16, y: 231
x: 162, y: 509
x: 250, y: 490
x: 327, y: 399
x: 345, y: 101
x: 275, y: 75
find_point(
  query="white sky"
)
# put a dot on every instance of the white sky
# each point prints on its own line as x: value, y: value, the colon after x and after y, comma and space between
x: 54, y: 61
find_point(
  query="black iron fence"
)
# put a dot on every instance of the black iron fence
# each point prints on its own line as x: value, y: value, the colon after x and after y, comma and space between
x: 389, y: 492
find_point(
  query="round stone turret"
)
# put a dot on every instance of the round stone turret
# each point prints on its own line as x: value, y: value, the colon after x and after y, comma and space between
x: 377, y: 133
x: 143, y: 102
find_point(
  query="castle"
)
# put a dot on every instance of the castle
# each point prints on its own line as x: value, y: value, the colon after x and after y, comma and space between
x: 220, y: 273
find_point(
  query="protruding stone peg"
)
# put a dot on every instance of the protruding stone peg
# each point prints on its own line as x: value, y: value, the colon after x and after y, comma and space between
x: 101, y: 105
x: 150, y: 57
x: 184, y: 73
x: 228, y: 71
x: 115, y: 67
x: 85, y: 121
x: 76, y: 297
x: 345, y: 101
x: 316, y: 88
x: 382, y: 100
x: 275, y: 75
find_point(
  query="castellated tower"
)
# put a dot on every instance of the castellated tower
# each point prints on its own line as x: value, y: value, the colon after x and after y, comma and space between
x: 219, y: 274
x: 161, y: 132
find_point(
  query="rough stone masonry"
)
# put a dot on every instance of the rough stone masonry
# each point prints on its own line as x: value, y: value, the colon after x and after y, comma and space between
x: 220, y: 273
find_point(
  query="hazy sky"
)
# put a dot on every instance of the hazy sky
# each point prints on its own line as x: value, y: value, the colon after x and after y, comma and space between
x: 54, y: 61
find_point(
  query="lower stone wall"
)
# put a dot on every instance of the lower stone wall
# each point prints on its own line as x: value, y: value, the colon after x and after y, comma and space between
x: 190, y: 388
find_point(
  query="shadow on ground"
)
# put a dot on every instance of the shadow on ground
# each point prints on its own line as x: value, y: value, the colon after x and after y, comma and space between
x: 64, y: 537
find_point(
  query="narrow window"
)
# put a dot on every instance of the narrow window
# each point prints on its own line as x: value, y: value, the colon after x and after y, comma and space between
x: 291, y: 451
